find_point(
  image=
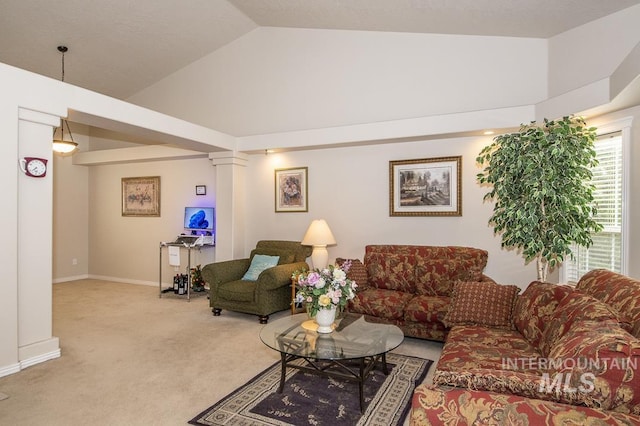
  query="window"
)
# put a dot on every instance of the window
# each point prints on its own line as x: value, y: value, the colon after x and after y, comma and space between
x: 608, y: 250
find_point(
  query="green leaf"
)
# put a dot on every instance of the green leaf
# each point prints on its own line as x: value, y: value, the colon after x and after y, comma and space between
x: 540, y: 178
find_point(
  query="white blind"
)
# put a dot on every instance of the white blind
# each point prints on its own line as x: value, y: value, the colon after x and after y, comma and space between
x: 606, y: 250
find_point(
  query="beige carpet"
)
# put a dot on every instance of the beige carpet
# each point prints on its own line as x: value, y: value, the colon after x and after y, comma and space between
x: 130, y: 358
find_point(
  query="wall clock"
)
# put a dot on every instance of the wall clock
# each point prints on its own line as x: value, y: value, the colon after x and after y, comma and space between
x: 34, y: 166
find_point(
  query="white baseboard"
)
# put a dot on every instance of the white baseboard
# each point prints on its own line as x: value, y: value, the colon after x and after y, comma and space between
x: 123, y: 280
x: 40, y: 358
x: 28, y: 362
x: 9, y: 369
x: 73, y: 278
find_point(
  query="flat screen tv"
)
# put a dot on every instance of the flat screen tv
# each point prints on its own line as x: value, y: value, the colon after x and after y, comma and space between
x: 199, y: 218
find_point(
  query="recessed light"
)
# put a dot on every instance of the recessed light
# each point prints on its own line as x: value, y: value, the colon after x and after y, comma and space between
x: 488, y: 132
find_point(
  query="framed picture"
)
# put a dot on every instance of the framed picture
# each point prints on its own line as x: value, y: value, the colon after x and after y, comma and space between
x: 425, y: 187
x: 201, y: 190
x: 291, y: 190
x: 141, y: 196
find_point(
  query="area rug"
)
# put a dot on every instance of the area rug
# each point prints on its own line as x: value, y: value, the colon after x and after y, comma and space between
x: 309, y: 399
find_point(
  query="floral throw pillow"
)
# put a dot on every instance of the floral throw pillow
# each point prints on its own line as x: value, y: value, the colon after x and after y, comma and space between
x: 482, y: 303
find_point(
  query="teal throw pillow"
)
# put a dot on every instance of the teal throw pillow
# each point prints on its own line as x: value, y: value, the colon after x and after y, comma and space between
x: 259, y: 263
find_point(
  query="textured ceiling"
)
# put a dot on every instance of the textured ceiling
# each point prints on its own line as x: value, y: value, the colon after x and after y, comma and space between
x: 118, y: 47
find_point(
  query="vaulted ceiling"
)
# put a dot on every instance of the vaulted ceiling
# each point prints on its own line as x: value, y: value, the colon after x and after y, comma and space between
x: 118, y: 47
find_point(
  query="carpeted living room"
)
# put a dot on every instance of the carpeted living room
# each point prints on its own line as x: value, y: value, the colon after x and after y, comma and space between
x: 130, y: 358
x: 205, y: 140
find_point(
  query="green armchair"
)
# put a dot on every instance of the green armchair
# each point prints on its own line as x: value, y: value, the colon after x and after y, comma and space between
x: 270, y: 293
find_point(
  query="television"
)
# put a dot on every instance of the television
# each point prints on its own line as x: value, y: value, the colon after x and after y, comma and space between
x: 199, y: 219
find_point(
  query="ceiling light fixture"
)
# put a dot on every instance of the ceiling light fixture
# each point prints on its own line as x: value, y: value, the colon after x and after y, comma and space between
x: 61, y: 145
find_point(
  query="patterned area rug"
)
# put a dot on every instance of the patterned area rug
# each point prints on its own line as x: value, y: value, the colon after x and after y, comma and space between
x: 316, y: 400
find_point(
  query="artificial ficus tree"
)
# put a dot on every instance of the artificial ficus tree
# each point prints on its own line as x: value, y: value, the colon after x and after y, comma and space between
x: 541, y: 186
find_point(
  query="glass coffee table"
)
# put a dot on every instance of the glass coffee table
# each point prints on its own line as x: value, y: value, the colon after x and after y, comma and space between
x: 352, y: 350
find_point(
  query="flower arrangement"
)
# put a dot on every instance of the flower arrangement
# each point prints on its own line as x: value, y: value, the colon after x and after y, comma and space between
x: 324, y: 288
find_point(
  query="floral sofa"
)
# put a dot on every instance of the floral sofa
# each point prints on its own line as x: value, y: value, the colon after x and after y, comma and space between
x: 566, y: 356
x: 410, y: 286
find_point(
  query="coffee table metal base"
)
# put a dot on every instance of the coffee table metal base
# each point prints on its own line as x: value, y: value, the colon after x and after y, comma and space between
x: 357, y: 372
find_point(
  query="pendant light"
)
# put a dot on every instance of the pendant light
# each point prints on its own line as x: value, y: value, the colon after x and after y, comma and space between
x: 61, y: 145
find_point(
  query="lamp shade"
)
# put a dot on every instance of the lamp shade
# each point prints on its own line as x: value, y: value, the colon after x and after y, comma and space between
x: 64, y: 147
x: 318, y: 234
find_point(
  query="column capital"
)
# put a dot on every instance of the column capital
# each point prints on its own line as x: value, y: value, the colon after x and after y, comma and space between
x: 229, y: 157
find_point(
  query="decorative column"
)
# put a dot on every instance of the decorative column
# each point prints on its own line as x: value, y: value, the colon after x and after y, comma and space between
x: 230, y: 204
x: 34, y: 243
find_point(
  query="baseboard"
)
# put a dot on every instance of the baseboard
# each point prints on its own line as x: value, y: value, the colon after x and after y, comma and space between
x: 40, y: 358
x: 123, y: 280
x: 73, y: 278
x: 37, y: 352
x: 9, y: 369
x: 28, y: 362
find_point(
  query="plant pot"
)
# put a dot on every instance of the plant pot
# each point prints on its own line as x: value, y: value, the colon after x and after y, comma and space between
x: 325, y: 319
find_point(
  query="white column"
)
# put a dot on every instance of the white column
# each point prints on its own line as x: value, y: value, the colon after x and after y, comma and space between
x: 35, y: 229
x: 230, y: 203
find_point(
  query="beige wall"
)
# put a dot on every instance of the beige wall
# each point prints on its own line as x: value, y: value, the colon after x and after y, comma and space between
x: 127, y: 248
x: 349, y: 187
x: 71, y: 213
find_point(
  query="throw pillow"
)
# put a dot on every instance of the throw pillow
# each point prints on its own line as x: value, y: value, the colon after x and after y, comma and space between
x: 259, y: 263
x: 481, y: 303
x: 286, y: 256
x: 357, y: 272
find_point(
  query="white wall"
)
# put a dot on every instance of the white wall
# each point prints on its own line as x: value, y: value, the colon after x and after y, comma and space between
x: 284, y: 79
x: 593, y: 51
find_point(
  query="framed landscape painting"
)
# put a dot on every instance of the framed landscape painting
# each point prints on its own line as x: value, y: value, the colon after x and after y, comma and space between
x: 425, y: 187
x: 291, y: 190
x: 141, y: 196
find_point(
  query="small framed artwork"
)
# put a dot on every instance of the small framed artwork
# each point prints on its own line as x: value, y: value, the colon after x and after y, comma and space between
x: 141, y: 196
x: 291, y: 190
x: 425, y: 187
x: 201, y: 190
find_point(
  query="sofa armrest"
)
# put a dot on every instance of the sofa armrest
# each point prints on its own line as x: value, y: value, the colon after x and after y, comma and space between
x: 222, y: 272
x: 278, y: 276
x: 436, y: 405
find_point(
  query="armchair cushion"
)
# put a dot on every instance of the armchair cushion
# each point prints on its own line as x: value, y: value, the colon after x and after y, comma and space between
x: 259, y: 263
x: 239, y: 291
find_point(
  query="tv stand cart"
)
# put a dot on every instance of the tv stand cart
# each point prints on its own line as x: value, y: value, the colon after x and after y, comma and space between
x: 183, y: 241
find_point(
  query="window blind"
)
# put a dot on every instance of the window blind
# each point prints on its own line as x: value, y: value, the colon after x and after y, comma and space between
x: 606, y: 250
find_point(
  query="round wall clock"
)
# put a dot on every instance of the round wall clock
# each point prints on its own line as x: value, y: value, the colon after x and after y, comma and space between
x: 34, y: 166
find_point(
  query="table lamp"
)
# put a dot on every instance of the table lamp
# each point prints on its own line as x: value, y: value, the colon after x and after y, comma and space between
x: 319, y: 236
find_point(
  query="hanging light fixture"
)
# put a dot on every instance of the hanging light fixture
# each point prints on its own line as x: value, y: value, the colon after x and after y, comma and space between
x: 61, y: 145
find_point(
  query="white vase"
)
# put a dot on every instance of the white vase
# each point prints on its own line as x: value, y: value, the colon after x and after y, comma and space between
x: 325, y: 319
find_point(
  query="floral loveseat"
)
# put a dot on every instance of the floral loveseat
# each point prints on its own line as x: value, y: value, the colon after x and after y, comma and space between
x: 410, y: 286
x: 567, y: 356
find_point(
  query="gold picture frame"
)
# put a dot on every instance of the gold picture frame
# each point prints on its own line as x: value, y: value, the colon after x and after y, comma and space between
x: 141, y: 196
x: 426, y: 187
x: 291, y: 190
